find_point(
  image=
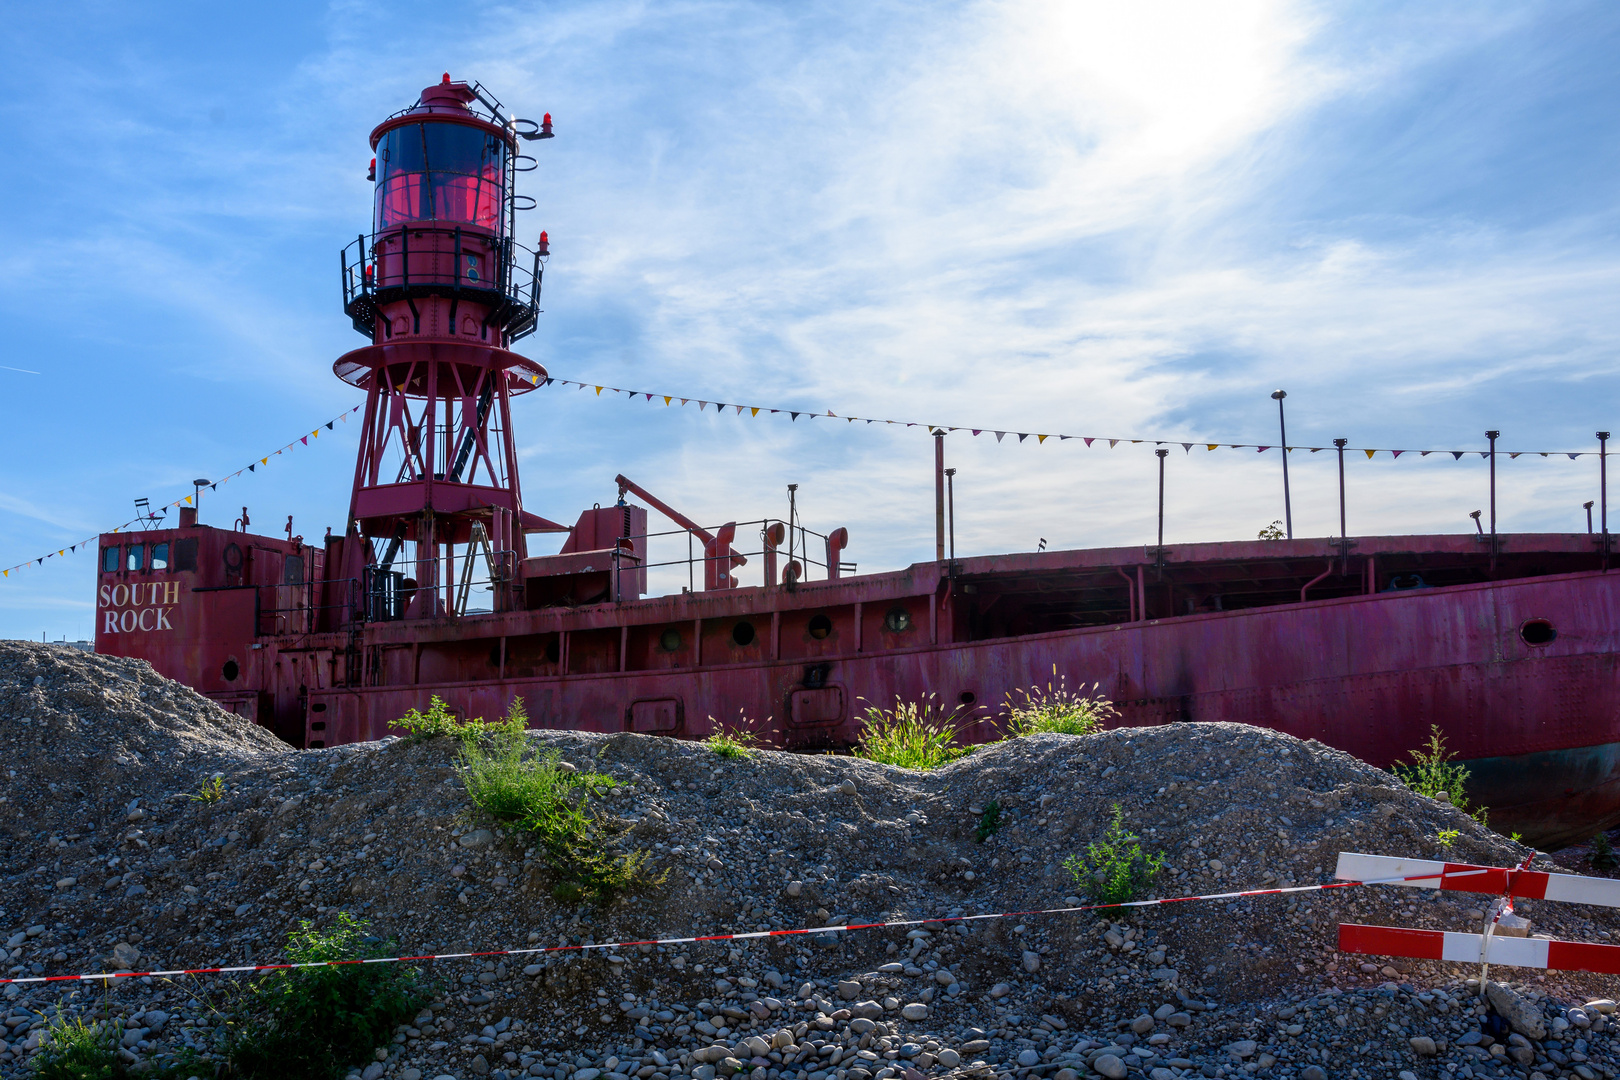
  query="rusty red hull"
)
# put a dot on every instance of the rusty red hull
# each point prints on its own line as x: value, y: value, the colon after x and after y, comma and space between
x: 1520, y: 673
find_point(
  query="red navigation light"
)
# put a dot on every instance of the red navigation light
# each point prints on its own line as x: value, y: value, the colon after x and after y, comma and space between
x: 545, y: 127
x: 371, y: 171
x: 446, y: 79
x: 545, y: 244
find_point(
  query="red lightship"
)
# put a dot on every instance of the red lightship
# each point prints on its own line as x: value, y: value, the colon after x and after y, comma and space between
x: 1507, y: 642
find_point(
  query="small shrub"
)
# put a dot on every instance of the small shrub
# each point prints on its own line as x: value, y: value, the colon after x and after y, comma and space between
x: 1274, y: 531
x: 912, y: 735
x: 1432, y: 771
x: 212, y: 791
x: 1115, y: 869
x: 439, y: 720
x: 539, y: 796
x: 318, y: 1022
x: 1603, y: 854
x: 731, y: 744
x: 1447, y: 837
x: 1056, y: 710
x: 989, y: 822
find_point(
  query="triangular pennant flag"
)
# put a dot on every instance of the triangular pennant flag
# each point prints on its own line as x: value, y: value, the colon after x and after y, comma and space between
x: 1062, y: 437
x: 685, y: 400
x: 1112, y: 443
x: 265, y: 460
x: 832, y: 414
x: 1088, y: 440
x: 74, y: 548
x: 1397, y: 453
x: 1425, y: 453
x: 1022, y: 435
x: 852, y: 419
x: 977, y: 430
x: 315, y: 434
x: 1513, y: 456
x: 1000, y: 435
x: 252, y: 467
x: 1135, y: 441
x: 740, y: 408
x: 61, y: 552
x: 649, y: 397
x: 329, y: 425
x: 701, y: 404
x: 668, y: 398
x: 795, y: 417
x: 1211, y: 446
x: 304, y: 440
x: 598, y: 391
x: 1370, y: 453
x: 1483, y: 453
x: 753, y: 411
x: 1041, y: 438
x: 187, y: 500
x: 1261, y: 449
x: 213, y: 487
x: 1572, y: 457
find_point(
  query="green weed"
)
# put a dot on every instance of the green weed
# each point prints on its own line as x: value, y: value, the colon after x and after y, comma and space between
x: 1115, y: 869
x: 912, y: 735
x: 318, y: 1022
x: 731, y: 744
x: 439, y: 720
x: 1433, y: 770
x: 989, y: 822
x: 1603, y: 854
x: 1274, y: 531
x: 212, y: 791
x: 74, y: 1050
x: 1447, y: 837
x: 538, y: 795
x: 1056, y: 710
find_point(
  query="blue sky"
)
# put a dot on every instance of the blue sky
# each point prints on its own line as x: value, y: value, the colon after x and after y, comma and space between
x: 1079, y: 217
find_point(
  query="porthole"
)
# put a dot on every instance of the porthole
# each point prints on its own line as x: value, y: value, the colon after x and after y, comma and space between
x: 231, y: 670
x: 967, y: 697
x: 1537, y: 632
x: 897, y: 621
x: 820, y: 627
x: 670, y: 640
x: 743, y: 633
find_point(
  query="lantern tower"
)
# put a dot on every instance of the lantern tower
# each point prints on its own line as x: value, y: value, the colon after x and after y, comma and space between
x: 441, y: 289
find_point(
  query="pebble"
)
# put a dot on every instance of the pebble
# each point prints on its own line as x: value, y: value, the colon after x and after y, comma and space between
x: 1110, y: 1066
x: 1029, y: 1057
x: 1313, y: 1072
x: 916, y: 1010
x: 1032, y: 961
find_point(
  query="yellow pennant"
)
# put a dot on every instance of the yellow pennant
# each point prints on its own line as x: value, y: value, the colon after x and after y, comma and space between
x: 1212, y: 445
x: 1042, y: 438
x: 188, y: 500
x: 264, y: 461
x: 1370, y: 453
x: 753, y: 411
x: 598, y: 391
x: 668, y: 398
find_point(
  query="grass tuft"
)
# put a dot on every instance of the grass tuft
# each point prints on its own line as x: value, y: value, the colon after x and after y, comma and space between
x: 319, y: 1022
x: 1603, y: 854
x: 1115, y: 869
x: 731, y: 744
x: 74, y: 1050
x: 1447, y: 837
x: 541, y: 796
x: 439, y: 720
x: 913, y: 734
x: 989, y: 822
x: 1055, y: 709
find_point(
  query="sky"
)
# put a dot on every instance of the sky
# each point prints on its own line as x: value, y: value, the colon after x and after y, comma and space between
x: 1057, y: 217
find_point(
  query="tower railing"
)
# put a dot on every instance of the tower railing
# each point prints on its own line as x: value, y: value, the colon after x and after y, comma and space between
x: 433, y: 259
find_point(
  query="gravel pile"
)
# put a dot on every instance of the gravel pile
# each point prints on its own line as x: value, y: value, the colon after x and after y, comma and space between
x: 110, y: 861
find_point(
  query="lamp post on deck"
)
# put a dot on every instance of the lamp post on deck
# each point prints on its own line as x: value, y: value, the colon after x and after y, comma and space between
x: 1282, y: 423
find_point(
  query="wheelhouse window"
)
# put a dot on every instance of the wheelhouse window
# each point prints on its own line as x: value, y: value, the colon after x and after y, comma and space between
x: 441, y: 171
x: 109, y: 560
x: 160, y: 556
x: 136, y: 559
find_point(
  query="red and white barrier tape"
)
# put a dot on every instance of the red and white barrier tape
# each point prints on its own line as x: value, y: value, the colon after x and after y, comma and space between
x: 749, y: 936
x: 1463, y: 877
x: 1472, y: 948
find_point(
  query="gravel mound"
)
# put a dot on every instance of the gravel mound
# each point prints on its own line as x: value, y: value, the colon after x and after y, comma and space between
x: 112, y: 860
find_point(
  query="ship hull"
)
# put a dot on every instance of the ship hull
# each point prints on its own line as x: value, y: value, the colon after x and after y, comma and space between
x: 1512, y: 656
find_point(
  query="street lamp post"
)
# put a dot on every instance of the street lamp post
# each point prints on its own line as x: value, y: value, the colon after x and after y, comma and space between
x: 1288, y: 508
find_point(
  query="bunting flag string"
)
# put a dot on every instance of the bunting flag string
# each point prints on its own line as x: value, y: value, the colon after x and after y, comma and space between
x: 794, y: 415
x: 152, y: 516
